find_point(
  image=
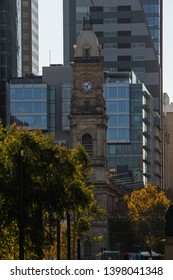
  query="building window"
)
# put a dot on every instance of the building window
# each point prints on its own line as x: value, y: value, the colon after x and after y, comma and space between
x: 125, y: 69
x: 110, y: 57
x: 124, y: 58
x: 138, y: 58
x: 124, y: 33
x: 96, y: 9
x: 124, y: 20
x: 25, y: 3
x: 110, y: 9
x: 110, y: 20
x: 99, y: 34
x: 138, y: 69
x: 124, y: 45
x: 124, y: 8
x: 26, y: 14
x: 138, y: 45
x: 110, y: 34
x: 97, y: 21
x: 82, y: 9
x: 87, y: 143
x: 110, y: 46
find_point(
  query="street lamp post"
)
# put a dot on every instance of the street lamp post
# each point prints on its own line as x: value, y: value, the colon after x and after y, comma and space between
x: 58, y: 237
x: 68, y: 236
x: 21, y: 222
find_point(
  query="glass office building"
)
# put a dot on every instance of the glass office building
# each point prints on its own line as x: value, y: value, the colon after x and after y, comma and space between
x: 66, y: 94
x: 117, y: 96
x: 153, y: 12
x: 130, y: 141
x: 10, y: 47
x: 18, y: 43
x: 31, y: 104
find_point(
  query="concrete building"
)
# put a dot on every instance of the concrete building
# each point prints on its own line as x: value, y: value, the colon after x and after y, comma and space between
x: 30, y: 45
x: 130, y: 33
x: 62, y: 78
x: 168, y: 142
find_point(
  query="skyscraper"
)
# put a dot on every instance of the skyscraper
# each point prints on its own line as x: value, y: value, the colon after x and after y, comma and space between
x: 18, y: 43
x: 10, y: 47
x: 30, y: 59
x: 130, y: 33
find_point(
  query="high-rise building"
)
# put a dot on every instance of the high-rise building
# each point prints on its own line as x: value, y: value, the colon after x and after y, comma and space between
x: 10, y: 47
x: 30, y: 59
x: 130, y: 32
x: 133, y: 136
x: 18, y: 43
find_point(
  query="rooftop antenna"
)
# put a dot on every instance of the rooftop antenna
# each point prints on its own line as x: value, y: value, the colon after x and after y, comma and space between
x: 92, y: 3
x: 49, y: 57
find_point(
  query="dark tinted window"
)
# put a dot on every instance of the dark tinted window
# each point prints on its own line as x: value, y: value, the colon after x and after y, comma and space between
x: 96, y: 9
x: 124, y: 33
x: 124, y: 45
x: 124, y: 20
x: 97, y: 21
x: 124, y: 8
x: 124, y: 58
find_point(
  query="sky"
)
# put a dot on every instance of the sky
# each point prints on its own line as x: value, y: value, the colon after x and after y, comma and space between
x: 51, y: 38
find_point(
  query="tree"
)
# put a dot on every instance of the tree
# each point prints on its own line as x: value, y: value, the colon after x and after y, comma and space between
x: 54, y: 180
x: 146, y: 209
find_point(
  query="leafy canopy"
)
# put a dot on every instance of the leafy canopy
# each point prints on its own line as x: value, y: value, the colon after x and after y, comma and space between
x: 146, y: 209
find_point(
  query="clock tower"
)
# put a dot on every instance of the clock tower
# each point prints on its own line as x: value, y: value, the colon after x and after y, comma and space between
x: 88, y: 123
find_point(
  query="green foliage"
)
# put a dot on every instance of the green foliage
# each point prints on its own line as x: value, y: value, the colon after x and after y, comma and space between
x: 54, y: 179
x: 146, y: 209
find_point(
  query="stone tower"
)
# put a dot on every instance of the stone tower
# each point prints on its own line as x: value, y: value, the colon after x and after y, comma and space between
x: 88, y: 123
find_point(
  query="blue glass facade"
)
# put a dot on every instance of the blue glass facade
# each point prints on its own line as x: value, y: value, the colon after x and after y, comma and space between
x: 152, y: 9
x: 65, y: 105
x: 117, y: 106
x: 28, y: 106
x: 129, y: 139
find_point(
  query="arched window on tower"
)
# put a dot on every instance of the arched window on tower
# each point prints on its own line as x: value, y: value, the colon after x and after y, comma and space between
x: 87, y: 143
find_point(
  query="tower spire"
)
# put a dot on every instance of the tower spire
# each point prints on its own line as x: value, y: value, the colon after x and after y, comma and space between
x: 87, y: 22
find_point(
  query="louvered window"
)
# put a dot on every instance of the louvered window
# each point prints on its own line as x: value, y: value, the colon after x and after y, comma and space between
x: 87, y: 143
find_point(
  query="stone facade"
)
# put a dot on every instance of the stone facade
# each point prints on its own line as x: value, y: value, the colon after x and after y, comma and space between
x: 88, y: 124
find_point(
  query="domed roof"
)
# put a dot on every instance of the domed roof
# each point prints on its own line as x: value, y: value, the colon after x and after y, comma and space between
x: 87, y: 40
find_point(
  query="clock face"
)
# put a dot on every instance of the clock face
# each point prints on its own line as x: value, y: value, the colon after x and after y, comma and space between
x: 86, y: 86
